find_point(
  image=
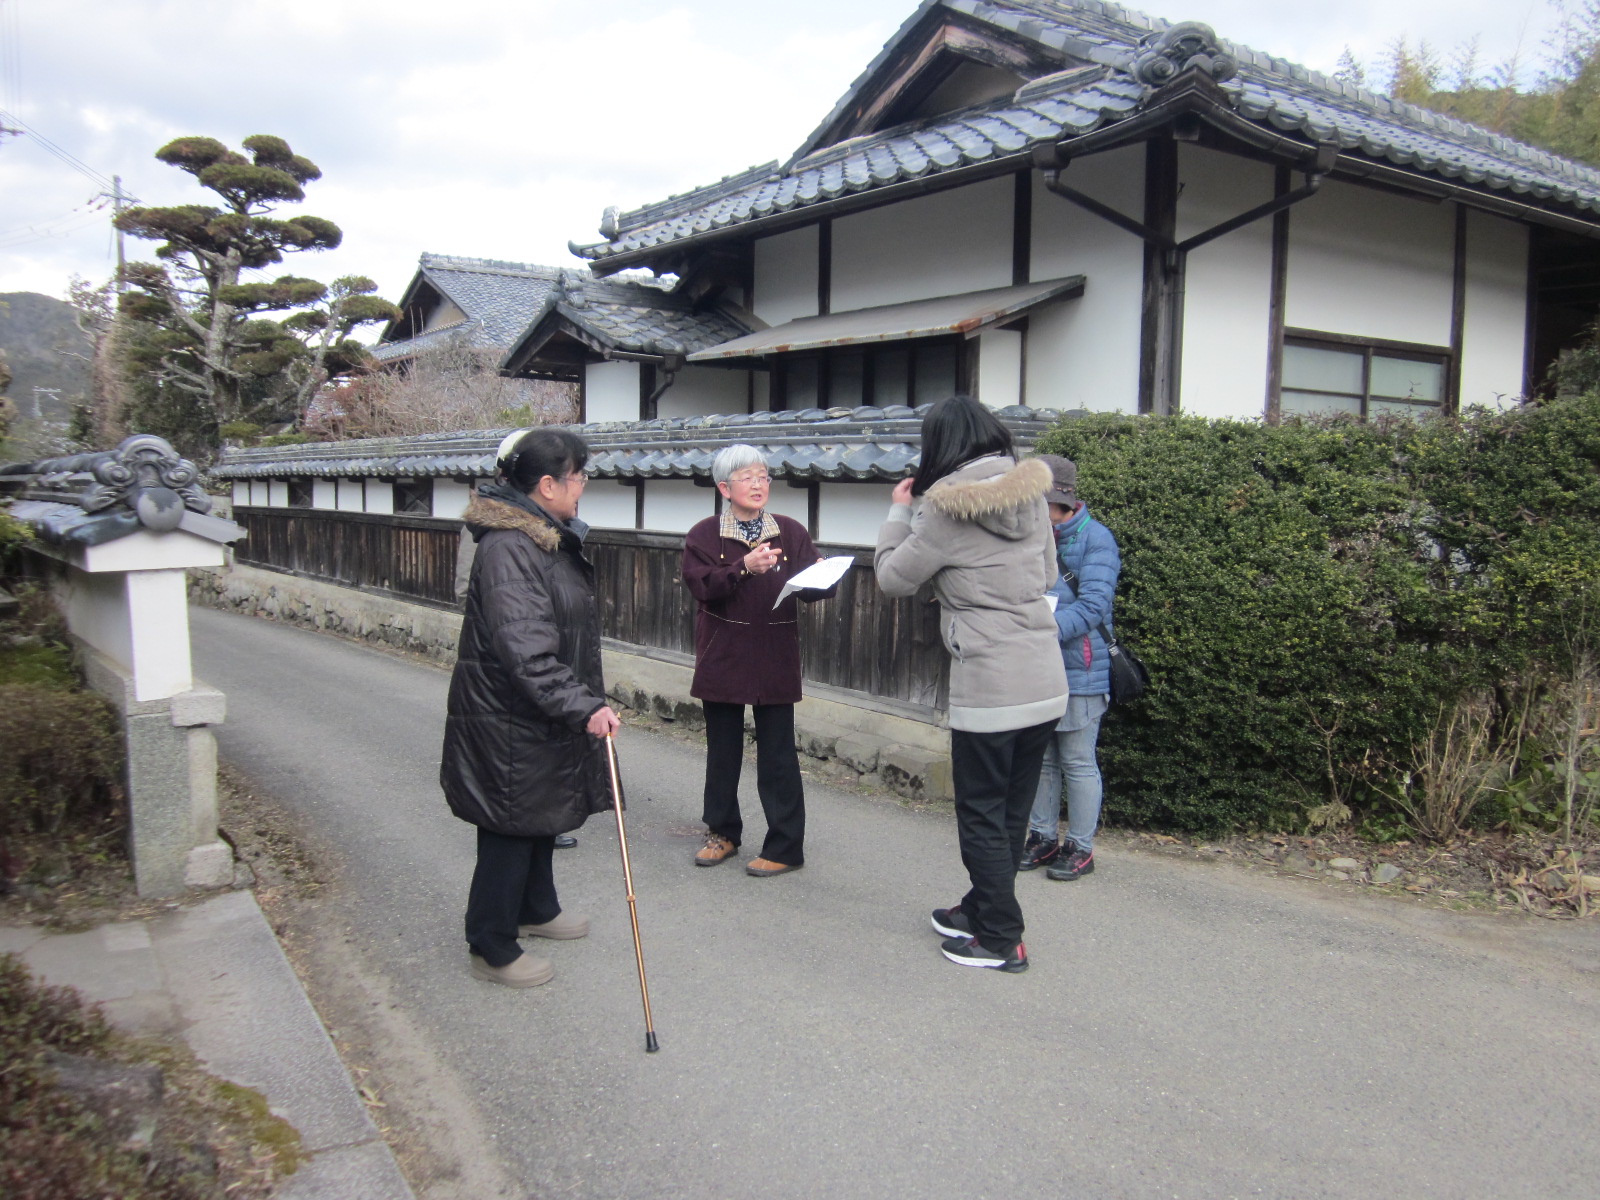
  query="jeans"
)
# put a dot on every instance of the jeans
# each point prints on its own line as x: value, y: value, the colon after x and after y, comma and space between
x: 996, y: 776
x: 1071, y: 754
x: 513, y: 885
x: 783, y: 796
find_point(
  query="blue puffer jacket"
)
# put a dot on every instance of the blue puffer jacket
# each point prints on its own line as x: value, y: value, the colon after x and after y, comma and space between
x: 1086, y: 548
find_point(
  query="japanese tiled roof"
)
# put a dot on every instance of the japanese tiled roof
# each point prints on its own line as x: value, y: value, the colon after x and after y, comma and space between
x: 636, y: 316
x: 498, y: 299
x: 98, y: 497
x: 1106, y: 86
x: 873, y: 444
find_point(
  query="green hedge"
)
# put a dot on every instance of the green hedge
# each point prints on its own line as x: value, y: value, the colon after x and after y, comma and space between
x: 1306, y: 596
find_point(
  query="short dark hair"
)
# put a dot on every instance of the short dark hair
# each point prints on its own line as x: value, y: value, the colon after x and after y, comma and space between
x: 956, y: 431
x: 540, y: 452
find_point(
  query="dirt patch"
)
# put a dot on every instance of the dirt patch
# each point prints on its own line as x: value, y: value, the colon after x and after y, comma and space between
x: 1495, y: 871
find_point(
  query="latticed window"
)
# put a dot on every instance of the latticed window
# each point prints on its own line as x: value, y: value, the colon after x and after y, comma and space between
x: 1324, y: 378
x: 414, y: 496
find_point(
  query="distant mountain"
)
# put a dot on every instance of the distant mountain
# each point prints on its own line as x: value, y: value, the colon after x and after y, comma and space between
x: 40, y: 339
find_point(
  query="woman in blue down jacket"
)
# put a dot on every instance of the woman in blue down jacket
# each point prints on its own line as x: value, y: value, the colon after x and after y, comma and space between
x: 1090, y: 563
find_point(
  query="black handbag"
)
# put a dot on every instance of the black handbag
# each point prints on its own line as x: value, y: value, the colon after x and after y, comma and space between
x: 1129, y: 676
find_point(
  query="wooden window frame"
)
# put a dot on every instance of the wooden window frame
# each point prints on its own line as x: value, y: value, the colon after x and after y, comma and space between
x: 966, y: 368
x: 1312, y: 339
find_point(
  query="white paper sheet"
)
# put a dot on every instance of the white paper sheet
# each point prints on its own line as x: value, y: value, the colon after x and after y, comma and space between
x: 819, y: 575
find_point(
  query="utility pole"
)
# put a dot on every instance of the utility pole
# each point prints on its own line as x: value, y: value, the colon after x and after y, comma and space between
x: 116, y: 211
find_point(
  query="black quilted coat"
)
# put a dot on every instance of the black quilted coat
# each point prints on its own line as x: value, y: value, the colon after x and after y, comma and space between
x: 517, y: 759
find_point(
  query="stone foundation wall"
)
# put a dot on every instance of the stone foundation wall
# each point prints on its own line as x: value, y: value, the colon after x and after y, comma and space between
x: 860, y: 741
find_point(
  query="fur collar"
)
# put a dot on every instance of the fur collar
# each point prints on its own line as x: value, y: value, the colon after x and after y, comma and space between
x: 494, y: 514
x: 969, y: 499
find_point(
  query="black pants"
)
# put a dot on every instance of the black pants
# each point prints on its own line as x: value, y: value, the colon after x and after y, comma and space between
x: 783, y: 796
x: 513, y: 885
x: 996, y: 776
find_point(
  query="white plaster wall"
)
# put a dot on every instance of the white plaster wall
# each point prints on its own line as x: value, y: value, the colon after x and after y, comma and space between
x: 1084, y: 353
x: 278, y: 493
x: 1228, y: 289
x: 1494, y: 326
x: 608, y: 504
x: 324, y: 493
x: 611, y: 391
x: 1000, y: 367
x: 352, y: 495
x: 146, y: 551
x: 379, y: 496
x: 1371, y: 264
x: 852, y: 513
x: 97, y: 611
x: 241, y: 491
x: 158, y: 618
x: 446, y: 314
x: 450, y: 498
x: 793, y: 502
x: 697, y: 391
x: 674, y: 505
x: 786, y: 276
x: 939, y: 245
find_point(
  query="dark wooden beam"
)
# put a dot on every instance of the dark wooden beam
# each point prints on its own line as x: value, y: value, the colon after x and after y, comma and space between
x: 1277, y: 297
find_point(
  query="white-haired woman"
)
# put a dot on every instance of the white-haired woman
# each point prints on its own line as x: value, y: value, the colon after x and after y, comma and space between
x: 747, y: 652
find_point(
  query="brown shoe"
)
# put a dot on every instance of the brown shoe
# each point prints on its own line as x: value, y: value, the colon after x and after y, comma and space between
x: 564, y: 928
x: 714, y: 851
x: 765, y: 866
x: 521, y: 972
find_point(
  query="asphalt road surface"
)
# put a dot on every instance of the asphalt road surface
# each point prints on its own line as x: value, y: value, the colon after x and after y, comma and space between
x: 1185, y: 1031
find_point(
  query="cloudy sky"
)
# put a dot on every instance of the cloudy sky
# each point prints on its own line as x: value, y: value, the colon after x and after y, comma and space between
x: 499, y: 128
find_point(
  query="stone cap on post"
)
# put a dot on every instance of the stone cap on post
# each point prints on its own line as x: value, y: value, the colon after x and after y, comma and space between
x: 110, y: 510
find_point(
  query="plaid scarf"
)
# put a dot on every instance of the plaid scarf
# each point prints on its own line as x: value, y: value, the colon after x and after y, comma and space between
x: 760, y: 528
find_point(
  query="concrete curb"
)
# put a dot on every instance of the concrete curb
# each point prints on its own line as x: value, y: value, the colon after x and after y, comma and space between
x: 215, y: 974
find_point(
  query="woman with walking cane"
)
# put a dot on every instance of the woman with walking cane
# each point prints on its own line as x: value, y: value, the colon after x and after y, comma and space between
x: 523, y: 757
x: 972, y: 522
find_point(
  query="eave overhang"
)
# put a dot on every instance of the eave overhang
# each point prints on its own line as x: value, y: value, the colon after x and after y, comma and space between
x: 966, y: 314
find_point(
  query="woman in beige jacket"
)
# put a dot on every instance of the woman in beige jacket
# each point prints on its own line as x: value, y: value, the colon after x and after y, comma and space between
x: 973, y: 522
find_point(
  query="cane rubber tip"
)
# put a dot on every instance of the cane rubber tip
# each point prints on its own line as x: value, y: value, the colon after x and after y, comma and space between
x: 650, y: 1043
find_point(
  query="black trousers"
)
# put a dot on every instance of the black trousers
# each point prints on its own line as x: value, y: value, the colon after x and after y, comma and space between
x: 513, y: 885
x: 783, y: 796
x: 996, y: 776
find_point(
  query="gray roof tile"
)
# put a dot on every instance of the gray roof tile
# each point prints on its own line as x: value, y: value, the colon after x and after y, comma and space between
x: 867, y: 444
x: 499, y: 299
x: 1267, y: 89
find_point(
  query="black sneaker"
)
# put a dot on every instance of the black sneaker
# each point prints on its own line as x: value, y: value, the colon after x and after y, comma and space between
x: 951, y: 922
x: 1073, y: 864
x: 968, y: 953
x: 565, y: 841
x: 1037, y: 851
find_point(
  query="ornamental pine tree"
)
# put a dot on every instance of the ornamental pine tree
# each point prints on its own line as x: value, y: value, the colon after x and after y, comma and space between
x: 212, y: 344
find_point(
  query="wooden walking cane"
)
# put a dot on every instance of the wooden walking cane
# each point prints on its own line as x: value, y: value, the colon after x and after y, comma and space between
x: 650, y: 1043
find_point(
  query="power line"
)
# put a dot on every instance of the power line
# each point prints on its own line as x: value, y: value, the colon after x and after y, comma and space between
x: 104, y: 183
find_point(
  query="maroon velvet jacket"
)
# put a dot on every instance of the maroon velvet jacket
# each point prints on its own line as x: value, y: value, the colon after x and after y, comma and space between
x: 746, y: 651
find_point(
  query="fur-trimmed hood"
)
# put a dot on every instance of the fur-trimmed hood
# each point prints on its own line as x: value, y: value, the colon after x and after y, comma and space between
x: 995, y: 494
x: 484, y: 514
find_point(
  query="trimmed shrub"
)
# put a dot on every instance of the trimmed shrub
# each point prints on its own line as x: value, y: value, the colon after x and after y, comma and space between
x: 1309, y: 597
x: 60, y: 751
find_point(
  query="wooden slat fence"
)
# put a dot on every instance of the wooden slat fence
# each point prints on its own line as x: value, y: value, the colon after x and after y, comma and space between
x: 861, y: 640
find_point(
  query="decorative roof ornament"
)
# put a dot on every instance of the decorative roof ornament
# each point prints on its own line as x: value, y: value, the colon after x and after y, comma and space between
x: 145, y: 474
x: 610, y: 222
x: 1186, y: 46
x: 572, y: 290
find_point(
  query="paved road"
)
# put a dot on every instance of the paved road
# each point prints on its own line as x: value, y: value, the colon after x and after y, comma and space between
x: 1185, y: 1031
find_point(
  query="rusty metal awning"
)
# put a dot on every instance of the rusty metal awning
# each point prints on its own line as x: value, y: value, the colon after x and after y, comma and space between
x: 965, y: 314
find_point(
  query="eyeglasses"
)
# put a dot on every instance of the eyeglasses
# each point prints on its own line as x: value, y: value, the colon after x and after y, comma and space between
x: 577, y: 479
x: 761, y: 477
